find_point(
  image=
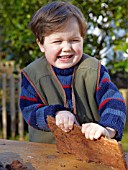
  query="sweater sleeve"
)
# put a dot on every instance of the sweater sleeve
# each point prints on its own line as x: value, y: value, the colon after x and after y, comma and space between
x: 33, y: 109
x: 111, y: 105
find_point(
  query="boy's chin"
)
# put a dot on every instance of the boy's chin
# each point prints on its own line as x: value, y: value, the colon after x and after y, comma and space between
x: 65, y: 66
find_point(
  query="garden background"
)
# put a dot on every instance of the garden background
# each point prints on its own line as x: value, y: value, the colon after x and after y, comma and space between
x: 106, y: 39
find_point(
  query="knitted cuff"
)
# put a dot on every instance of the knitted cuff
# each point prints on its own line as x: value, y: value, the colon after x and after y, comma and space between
x: 114, y: 122
x: 52, y: 109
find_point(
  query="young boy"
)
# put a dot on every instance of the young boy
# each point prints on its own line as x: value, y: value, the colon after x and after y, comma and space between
x: 66, y: 84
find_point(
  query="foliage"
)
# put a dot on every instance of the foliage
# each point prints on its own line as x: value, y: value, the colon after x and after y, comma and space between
x: 17, y: 41
x: 106, y: 38
x: 107, y: 34
x: 124, y: 141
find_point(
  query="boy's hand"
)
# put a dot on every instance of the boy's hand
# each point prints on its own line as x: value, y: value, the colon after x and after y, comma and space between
x: 65, y: 120
x: 94, y: 131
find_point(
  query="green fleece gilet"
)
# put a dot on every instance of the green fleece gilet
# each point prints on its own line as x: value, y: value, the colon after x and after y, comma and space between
x: 84, y: 83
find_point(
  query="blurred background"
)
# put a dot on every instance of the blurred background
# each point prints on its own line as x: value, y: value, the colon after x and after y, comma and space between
x: 106, y: 39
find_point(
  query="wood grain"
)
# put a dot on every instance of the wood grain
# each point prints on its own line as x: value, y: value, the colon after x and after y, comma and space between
x: 103, y: 151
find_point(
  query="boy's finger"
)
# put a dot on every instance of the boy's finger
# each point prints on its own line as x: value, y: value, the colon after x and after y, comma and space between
x: 97, y: 135
x: 66, y: 126
x: 59, y: 122
x: 70, y: 123
x: 92, y: 133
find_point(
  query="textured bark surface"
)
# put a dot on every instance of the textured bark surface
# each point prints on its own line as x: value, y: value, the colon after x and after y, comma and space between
x: 15, y: 165
x: 40, y: 156
x: 105, y: 151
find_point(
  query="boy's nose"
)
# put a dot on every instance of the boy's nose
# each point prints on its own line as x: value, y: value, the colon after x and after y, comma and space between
x: 67, y: 46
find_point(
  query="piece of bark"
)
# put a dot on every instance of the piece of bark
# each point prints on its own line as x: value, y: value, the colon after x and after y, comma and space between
x: 16, y: 165
x: 106, y: 151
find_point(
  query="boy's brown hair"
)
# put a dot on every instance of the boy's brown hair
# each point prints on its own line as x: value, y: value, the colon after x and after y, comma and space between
x: 53, y: 17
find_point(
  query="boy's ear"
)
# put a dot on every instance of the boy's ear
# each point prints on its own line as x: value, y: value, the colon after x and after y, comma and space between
x: 40, y: 45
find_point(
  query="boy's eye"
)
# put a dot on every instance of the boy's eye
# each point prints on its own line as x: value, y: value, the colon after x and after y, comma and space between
x: 57, y: 41
x: 75, y: 40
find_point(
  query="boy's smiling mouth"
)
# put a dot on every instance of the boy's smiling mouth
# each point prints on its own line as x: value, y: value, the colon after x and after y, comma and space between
x: 64, y: 57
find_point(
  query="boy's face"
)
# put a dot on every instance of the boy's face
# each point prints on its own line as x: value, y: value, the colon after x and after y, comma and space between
x: 64, y: 49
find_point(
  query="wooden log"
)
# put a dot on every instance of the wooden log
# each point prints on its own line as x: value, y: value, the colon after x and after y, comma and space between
x: 12, y: 106
x: 124, y: 93
x: 105, y: 151
x: 21, y: 121
x: 4, y: 113
x: 41, y: 156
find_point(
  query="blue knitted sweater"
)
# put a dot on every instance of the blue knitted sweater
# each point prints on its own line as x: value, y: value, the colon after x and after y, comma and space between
x: 111, y: 106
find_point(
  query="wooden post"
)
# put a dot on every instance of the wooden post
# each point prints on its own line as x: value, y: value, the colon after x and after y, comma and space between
x: 21, y: 121
x: 12, y: 106
x: 124, y: 93
x: 4, y: 113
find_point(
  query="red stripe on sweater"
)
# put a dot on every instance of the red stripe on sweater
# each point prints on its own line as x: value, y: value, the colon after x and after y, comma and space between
x: 39, y: 105
x: 28, y: 98
x: 66, y: 86
x: 98, y: 88
x: 29, y: 122
x: 107, y: 100
x: 105, y: 80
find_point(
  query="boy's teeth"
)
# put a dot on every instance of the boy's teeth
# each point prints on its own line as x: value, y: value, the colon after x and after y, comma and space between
x: 64, y: 57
